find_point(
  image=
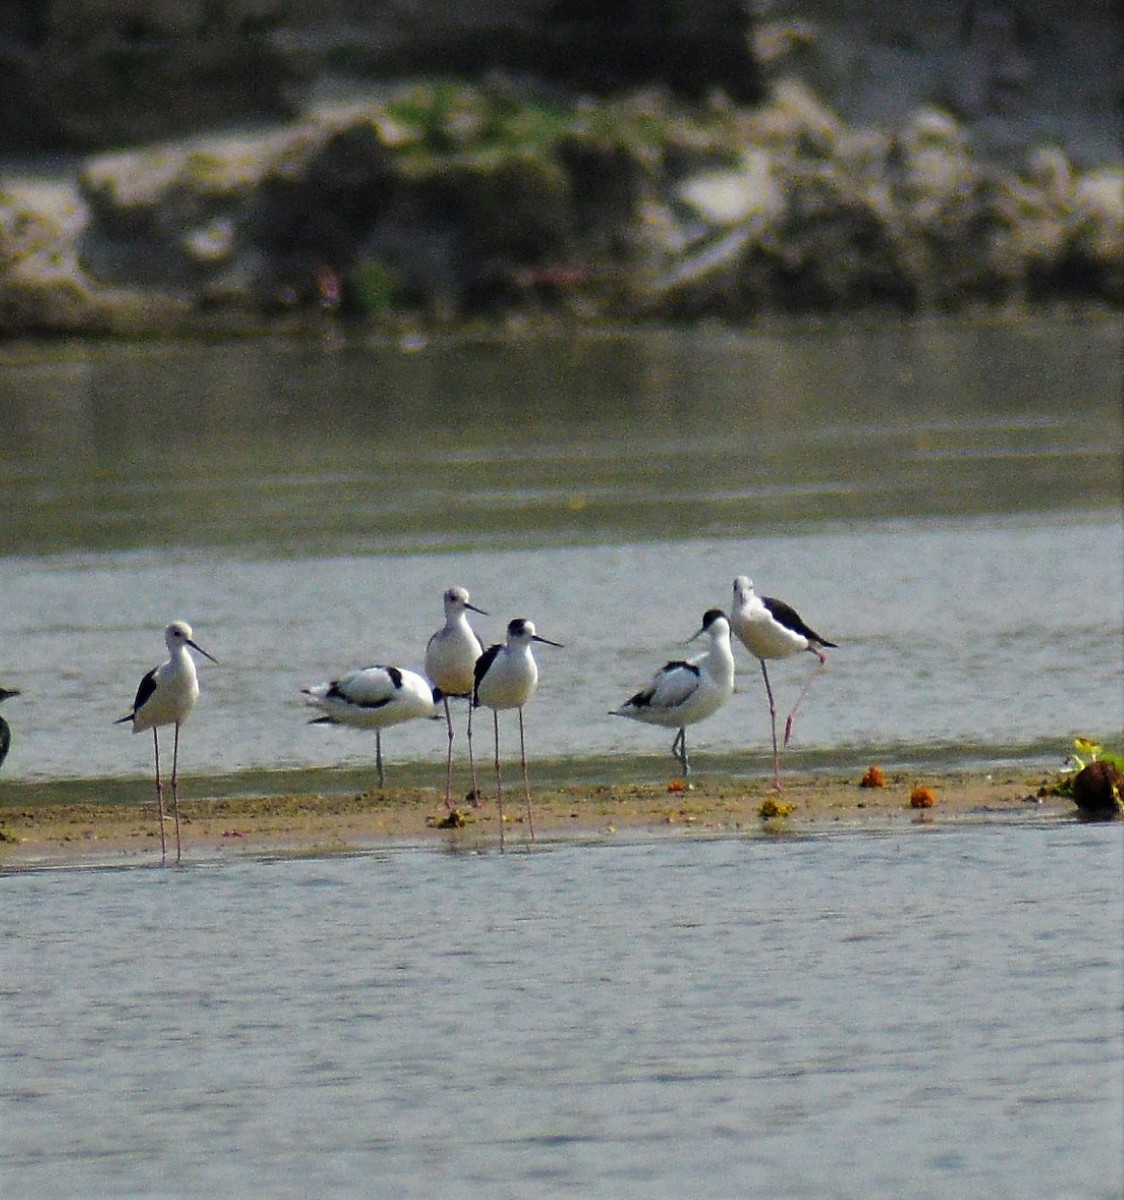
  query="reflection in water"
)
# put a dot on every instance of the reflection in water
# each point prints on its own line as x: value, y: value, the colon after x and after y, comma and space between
x: 352, y: 446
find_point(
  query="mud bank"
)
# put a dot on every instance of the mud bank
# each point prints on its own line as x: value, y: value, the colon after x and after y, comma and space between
x: 93, y: 832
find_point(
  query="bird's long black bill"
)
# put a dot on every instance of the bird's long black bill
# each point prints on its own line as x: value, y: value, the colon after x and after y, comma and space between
x: 196, y: 646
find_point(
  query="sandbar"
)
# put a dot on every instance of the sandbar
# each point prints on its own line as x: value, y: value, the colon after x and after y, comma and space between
x: 60, y: 834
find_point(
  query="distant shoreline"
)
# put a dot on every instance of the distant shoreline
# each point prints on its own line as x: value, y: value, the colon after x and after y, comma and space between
x: 107, y: 833
x: 443, y: 205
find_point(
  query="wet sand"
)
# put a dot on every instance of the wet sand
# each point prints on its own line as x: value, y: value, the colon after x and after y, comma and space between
x: 57, y: 834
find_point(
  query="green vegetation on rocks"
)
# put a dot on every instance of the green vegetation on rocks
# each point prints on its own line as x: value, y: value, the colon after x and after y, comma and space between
x: 446, y: 201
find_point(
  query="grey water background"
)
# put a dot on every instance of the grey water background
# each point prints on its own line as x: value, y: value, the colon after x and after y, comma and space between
x: 941, y: 498
x: 927, y: 1012
x: 930, y: 1013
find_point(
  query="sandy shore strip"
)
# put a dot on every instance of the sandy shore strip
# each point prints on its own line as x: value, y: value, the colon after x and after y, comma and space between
x: 55, y: 834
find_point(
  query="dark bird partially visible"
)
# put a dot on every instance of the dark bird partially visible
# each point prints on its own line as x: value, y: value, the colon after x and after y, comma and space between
x: 5, y: 731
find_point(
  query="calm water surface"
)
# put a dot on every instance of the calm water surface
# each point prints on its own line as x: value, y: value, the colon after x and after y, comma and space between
x: 942, y: 499
x: 927, y: 1014
x: 931, y: 1013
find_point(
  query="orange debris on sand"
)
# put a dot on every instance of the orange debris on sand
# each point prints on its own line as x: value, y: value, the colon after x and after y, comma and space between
x: 922, y: 797
x: 873, y: 778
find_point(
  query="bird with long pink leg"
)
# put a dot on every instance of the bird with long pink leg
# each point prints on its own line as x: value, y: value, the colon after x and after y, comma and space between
x: 450, y: 659
x: 770, y: 628
x: 166, y: 696
x: 506, y: 676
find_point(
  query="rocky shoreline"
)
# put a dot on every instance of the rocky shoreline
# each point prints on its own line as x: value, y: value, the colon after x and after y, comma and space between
x: 438, y: 203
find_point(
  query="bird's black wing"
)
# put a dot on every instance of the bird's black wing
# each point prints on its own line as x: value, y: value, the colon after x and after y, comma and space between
x: 144, y: 694
x: 481, y: 669
x: 5, y: 740
x: 787, y: 616
x: 360, y: 691
x: 645, y: 696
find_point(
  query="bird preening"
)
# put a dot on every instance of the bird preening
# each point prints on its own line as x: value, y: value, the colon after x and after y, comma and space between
x: 166, y: 696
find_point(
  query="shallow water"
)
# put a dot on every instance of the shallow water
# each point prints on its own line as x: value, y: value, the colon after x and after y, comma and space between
x: 952, y: 635
x: 928, y: 1014
x: 942, y: 499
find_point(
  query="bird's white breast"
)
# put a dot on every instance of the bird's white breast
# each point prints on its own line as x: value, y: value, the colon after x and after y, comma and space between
x: 511, y: 680
x: 177, y: 690
x: 764, y: 637
x: 450, y: 657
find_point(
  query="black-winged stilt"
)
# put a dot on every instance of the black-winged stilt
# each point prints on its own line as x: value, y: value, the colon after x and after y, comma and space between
x: 450, y: 656
x: 506, y: 676
x: 684, y: 692
x: 166, y: 696
x: 770, y: 628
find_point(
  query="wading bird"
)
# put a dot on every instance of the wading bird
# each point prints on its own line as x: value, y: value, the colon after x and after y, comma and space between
x: 373, y: 698
x: 770, y: 628
x: 166, y: 696
x: 450, y: 657
x: 684, y: 692
x: 506, y: 676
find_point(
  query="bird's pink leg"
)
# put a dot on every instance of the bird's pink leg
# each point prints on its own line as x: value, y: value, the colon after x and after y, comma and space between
x: 499, y: 781
x: 773, y: 722
x: 175, y: 789
x: 159, y: 797
x: 449, y: 760
x: 472, y: 760
x: 811, y: 679
x: 526, y: 781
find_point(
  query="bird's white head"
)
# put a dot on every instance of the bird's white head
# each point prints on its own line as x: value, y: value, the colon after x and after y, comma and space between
x: 179, y: 634
x: 456, y: 601
x: 743, y: 589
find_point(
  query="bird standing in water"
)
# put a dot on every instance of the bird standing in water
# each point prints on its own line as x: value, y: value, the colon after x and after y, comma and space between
x: 506, y: 676
x: 166, y: 696
x: 450, y: 658
x: 769, y: 628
